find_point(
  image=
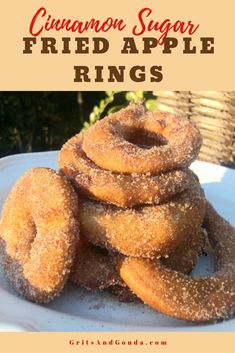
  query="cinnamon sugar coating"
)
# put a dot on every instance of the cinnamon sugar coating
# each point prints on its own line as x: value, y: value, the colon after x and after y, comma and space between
x: 200, y: 299
x: 146, y: 231
x: 96, y: 269
x: 185, y: 256
x: 38, y: 234
x: 135, y: 141
x: 124, y: 190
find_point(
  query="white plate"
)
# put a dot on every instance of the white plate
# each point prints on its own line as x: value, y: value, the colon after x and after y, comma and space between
x: 78, y: 310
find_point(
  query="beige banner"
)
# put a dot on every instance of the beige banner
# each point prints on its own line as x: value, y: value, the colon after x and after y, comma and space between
x: 154, y: 69
x: 161, y: 342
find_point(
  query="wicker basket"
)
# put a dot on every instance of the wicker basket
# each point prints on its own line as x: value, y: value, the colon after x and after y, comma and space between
x: 214, y: 114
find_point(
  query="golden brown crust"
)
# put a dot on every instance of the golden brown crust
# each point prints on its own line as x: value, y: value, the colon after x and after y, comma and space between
x: 96, y: 269
x: 113, y: 142
x: 93, y: 268
x: 184, y: 297
x: 39, y: 231
x: 124, y: 190
x: 184, y: 257
x: 148, y: 231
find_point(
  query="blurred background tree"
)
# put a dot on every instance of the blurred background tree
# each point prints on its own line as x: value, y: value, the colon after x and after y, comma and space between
x: 42, y: 121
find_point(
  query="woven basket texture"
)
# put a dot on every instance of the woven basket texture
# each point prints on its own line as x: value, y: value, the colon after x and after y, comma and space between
x: 214, y: 114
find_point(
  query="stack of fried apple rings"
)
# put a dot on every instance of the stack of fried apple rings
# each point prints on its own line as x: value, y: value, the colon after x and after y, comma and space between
x: 124, y: 214
x: 143, y: 214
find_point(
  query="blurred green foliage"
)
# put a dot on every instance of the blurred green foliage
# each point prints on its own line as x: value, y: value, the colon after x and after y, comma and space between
x: 42, y: 121
x: 116, y: 100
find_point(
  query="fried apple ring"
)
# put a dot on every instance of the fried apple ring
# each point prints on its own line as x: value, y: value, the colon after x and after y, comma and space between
x: 95, y: 269
x: 120, y: 189
x: 183, y: 297
x: 147, y: 231
x: 184, y: 257
x: 38, y: 234
x: 135, y: 141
